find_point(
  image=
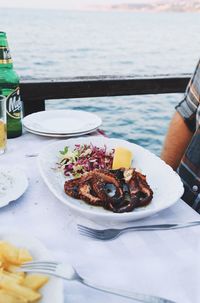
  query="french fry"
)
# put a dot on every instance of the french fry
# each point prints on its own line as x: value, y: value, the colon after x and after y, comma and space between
x: 9, y: 252
x: 24, y: 256
x: 12, y: 277
x: 13, y: 269
x: 6, y: 297
x: 2, y: 261
x: 19, y: 290
x: 35, y: 281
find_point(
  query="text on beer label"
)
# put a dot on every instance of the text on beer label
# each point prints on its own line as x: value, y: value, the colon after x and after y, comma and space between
x: 13, y: 104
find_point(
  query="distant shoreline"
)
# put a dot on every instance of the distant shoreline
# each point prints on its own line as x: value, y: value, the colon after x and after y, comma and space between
x: 137, y: 11
x: 119, y: 8
x: 176, y: 7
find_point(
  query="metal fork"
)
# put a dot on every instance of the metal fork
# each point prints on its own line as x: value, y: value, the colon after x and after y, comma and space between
x: 112, y: 233
x: 67, y: 272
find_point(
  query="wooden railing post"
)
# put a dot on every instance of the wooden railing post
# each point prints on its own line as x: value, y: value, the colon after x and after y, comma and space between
x: 32, y: 105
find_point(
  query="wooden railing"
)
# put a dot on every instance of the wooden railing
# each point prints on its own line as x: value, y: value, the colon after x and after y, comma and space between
x: 35, y: 92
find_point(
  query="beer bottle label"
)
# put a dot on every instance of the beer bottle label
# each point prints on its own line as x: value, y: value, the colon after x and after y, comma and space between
x: 5, y: 56
x: 13, y: 104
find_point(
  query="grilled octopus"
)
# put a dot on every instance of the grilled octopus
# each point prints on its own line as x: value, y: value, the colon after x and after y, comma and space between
x: 119, y: 190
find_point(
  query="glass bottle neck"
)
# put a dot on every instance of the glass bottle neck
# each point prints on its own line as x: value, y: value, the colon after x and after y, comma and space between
x: 5, y: 56
x: 6, y: 62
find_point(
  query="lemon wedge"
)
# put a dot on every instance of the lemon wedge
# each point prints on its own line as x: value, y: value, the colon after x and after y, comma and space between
x: 122, y: 158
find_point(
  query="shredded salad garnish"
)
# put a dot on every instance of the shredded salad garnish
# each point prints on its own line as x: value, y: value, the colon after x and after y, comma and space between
x: 84, y: 158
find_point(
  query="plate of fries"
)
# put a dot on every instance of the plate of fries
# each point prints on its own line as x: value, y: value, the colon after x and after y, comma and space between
x: 20, y: 287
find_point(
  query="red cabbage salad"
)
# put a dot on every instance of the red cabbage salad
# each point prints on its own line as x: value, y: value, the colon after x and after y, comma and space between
x: 84, y: 158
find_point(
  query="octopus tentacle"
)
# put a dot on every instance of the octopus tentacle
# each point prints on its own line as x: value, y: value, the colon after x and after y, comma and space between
x: 140, y: 191
x: 119, y: 190
x: 107, y: 189
x: 106, y: 176
x: 85, y: 192
x: 72, y: 187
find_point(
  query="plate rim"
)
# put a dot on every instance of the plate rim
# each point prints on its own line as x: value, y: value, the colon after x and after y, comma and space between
x: 126, y: 215
x: 23, y: 187
x: 58, y: 135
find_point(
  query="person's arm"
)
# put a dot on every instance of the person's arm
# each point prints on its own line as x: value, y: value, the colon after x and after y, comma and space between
x: 183, y: 124
x: 177, y: 139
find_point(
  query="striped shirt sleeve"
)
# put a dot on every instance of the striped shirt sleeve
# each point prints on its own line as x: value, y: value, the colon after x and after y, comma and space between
x: 187, y: 108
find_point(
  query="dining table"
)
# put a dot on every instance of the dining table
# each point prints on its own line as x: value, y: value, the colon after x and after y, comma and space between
x: 164, y: 263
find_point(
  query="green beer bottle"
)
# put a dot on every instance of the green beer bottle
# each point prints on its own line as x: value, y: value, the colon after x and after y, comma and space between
x: 9, y: 86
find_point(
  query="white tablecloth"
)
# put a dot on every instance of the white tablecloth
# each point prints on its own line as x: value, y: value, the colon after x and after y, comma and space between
x: 164, y: 263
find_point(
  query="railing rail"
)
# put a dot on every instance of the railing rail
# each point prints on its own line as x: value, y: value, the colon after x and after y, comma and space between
x: 35, y: 92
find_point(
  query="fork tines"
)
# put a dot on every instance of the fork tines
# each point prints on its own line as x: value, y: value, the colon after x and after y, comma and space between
x: 91, y: 233
x: 45, y: 265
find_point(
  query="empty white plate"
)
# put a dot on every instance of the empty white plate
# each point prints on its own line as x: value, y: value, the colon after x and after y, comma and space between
x: 62, y: 122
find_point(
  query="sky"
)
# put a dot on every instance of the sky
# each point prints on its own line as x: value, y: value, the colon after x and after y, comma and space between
x: 62, y: 4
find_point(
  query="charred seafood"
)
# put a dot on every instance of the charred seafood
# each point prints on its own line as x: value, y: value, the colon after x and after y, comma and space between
x: 119, y: 190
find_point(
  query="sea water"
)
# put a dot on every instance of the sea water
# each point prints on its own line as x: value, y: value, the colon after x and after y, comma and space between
x: 56, y: 43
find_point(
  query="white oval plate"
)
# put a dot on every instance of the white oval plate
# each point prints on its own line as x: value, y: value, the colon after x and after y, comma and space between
x: 53, y: 290
x: 165, y: 183
x: 16, y: 184
x: 62, y: 121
